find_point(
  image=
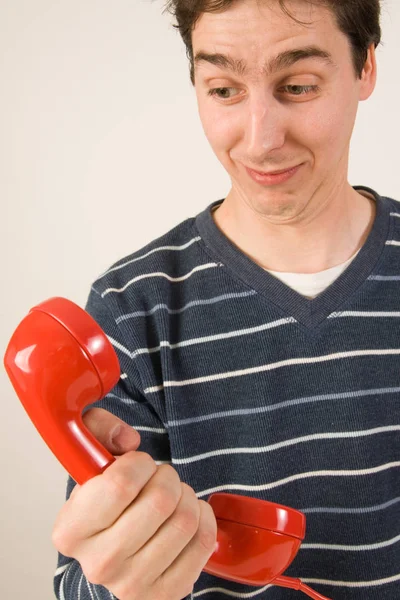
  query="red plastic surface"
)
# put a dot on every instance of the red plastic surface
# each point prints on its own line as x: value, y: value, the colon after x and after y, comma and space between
x: 90, y: 337
x: 250, y: 555
x: 55, y: 379
x: 259, y: 513
x: 59, y: 361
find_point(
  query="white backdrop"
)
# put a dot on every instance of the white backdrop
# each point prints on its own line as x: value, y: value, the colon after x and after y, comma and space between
x: 101, y: 151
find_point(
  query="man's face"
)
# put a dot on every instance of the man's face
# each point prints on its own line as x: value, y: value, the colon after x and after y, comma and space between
x: 270, y: 121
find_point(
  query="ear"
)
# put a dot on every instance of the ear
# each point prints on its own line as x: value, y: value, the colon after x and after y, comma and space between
x: 368, y: 76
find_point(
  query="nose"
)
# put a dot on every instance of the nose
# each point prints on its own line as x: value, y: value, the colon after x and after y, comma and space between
x: 265, y: 128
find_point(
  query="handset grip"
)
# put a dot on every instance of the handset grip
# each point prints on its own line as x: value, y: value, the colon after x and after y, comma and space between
x: 59, y: 361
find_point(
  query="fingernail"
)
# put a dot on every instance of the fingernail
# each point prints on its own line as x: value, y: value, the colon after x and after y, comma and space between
x: 123, y: 437
x: 114, y: 434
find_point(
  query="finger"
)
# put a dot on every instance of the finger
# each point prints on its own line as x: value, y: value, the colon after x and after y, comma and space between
x: 100, y: 501
x: 114, y: 434
x: 142, y: 520
x: 194, y: 557
x: 173, y: 535
x: 136, y: 561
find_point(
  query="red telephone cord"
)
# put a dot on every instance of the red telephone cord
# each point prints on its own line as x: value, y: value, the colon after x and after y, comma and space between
x: 297, y: 584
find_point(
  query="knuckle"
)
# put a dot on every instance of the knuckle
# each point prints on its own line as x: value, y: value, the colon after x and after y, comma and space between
x: 93, y: 571
x: 58, y: 540
x: 100, y: 570
x: 144, y: 458
x: 168, y: 473
x: 118, y: 487
x: 187, y: 490
x: 122, y: 480
x: 207, y: 533
x: 207, y: 539
x: 165, y: 492
x: 187, y: 515
x: 62, y: 540
x: 186, y: 521
x: 162, y: 501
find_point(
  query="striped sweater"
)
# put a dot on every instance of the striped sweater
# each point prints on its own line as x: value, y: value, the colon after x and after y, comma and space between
x: 247, y: 387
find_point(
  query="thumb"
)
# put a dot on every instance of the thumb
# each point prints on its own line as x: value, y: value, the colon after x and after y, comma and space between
x: 114, y: 434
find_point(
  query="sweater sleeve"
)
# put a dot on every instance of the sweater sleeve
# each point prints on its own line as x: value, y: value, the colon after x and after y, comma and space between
x: 127, y: 401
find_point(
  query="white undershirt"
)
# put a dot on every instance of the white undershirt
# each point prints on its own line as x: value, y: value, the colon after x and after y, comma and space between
x: 312, y: 284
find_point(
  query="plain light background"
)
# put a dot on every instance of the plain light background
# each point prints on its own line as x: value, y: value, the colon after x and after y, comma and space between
x: 101, y: 151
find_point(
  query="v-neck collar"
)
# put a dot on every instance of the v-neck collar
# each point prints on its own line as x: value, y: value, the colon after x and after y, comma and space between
x: 309, y: 312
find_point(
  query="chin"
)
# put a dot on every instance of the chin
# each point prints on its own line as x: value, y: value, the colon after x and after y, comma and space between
x: 275, y: 204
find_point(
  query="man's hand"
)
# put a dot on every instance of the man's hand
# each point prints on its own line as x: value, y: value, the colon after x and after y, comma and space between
x: 136, y: 528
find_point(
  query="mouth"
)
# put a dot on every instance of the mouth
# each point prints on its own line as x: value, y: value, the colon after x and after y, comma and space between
x: 273, y: 177
x: 263, y: 173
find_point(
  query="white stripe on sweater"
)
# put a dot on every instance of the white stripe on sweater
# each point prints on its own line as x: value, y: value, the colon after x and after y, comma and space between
x: 227, y: 592
x: 62, y: 569
x: 360, y: 548
x: 176, y: 311
x: 159, y: 249
x: 214, y: 338
x: 161, y: 274
x: 89, y: 588
x: 354, y: 510
x: 271, y: 366
x: 63, y: 579
x: 224, y: 414
x: 298, y: 476
x: 384, y: 278
x: 286, y: 443
x: 364, y: 313
x: 351, y: 584
x: 80, y: 587
x: 355, y: 584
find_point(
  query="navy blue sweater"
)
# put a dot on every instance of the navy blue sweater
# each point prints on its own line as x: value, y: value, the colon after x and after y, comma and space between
x: 245, y: 386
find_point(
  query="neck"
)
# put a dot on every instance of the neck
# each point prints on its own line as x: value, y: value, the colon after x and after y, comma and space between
x: 325, y: 237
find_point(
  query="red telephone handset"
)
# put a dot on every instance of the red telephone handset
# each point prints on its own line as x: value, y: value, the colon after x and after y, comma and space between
x: 59, y: 360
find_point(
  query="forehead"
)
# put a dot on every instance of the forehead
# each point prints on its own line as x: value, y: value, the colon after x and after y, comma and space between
x: 253, y: 29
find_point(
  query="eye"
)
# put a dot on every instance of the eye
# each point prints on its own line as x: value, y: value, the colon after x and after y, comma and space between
x: 216, y: 91
x: 301, y: 90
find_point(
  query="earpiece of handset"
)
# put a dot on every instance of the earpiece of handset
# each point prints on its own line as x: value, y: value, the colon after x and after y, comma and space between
x: 59, y: 361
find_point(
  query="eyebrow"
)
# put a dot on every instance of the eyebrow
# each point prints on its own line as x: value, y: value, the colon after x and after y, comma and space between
x: 277, y: 63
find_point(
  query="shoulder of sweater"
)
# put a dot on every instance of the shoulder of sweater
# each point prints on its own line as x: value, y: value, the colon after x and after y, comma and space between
x: 172, y: 251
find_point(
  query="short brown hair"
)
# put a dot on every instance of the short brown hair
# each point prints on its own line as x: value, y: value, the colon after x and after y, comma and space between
x: 359, y: 20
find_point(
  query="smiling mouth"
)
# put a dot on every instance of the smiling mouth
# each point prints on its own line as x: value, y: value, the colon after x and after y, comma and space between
x: 272, y: 172
x: 274, y: 177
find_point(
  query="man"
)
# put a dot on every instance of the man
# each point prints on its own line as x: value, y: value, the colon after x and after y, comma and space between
x: 258, y: 341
